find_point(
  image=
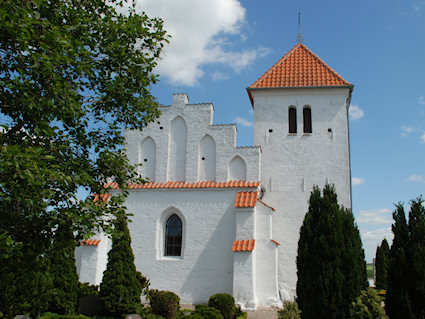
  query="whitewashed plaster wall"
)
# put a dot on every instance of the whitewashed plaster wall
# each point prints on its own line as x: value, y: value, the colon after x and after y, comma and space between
x: 91, y: 261
x: 209, y: 228
x: 176, y: 160
x: 292, y: 163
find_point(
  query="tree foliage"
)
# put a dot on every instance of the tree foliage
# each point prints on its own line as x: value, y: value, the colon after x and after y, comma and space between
x: 381, y: 265
x: 121, y: 285
x: 406, y: 274
x: 330, y: 263
x: 73, y: 75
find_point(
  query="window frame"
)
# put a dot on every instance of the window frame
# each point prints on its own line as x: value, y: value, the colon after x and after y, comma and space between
x: 292, y: 120
x: 307, y: 121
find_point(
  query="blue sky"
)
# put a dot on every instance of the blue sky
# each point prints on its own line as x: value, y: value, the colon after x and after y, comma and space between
x: 220, y: 47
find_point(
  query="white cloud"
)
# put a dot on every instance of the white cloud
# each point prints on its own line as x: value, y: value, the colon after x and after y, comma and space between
x: 373, y: 238
x: 217, y: 76
x: 199, y: 30
x: 379, y: 216
x: 423, y: 138
x: 358, y: 181
x: 417, y: 6
x: 242, y: 121
x: 406, y: 130
x: 421, y: 100
x: 416, y: 178
x: 355, y: 112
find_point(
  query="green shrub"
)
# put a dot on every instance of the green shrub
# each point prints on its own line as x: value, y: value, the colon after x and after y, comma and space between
x: 164, y: 303
x: 240, y: 314
x: 367, y: 306
x: 208, y: 312
x: 290, y: 311
x: 51, y: 315
x: 225, y: 303
x: 149, y: 316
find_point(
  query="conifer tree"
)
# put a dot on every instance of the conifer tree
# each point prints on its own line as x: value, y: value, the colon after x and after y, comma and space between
x: 63, y: 295
x: 121, y: 286
x: 381, y: 265
x: 330, y: 262
x: 406, y: 276
x: 398, y: 302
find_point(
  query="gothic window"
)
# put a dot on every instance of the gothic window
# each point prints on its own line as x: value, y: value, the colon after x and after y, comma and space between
x: 307, y: 120
x: 173, y: 236
x: 292, y: 115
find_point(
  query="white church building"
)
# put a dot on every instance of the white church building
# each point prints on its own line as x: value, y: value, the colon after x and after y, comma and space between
x: 217, y: 218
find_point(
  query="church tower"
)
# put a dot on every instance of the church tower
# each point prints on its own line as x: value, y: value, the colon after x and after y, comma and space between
x: 301, y: 124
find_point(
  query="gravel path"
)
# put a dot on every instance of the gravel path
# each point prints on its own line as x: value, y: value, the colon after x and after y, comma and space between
x: 266, y: 313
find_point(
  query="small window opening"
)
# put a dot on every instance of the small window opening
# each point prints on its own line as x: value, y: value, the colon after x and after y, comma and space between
x: 161, y: 127
x: 173, y: 236
x: 292, y: 115
x: 145, y: 160
x: 270, y: 130
x: 329, y: 130
x: 307, y: 120
x: 203, y: 158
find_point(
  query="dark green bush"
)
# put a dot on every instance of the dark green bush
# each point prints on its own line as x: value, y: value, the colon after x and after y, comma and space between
x: 290, y: 311
x: 88, y: 290
x: 164, y: 303
x: 240, y: 314
x: 225, y: 303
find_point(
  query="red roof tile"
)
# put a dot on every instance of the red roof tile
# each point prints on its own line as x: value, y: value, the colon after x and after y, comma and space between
x: 298, y: 68
x: 90, y: 242
x: 243, y: 245
x: 176, y: 185
x: 246, y: 199
x: 102, y: 197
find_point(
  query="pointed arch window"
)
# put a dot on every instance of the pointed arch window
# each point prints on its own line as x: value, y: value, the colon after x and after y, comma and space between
x: 173, y: 236
x: 292, y: 116
x: 307, y: 120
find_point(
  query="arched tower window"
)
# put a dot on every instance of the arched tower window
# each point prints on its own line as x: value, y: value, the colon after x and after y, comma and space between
x: 173, y: 236
x: 292, y: 116
x: 307, y: 120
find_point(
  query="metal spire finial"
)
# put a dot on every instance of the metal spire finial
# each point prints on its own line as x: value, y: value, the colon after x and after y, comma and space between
x: 299, y: 37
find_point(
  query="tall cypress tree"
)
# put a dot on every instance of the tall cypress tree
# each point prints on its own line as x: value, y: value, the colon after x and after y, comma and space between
x: 121, y: 286
x: 381, y: 265
x: 416, y: 260
x: 398, y: 302
x: 330, y: 261
x: 63, y: 296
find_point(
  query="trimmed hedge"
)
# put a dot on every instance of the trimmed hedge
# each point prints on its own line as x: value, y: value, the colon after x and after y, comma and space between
x: 164, y: 303
x: 225, y: 303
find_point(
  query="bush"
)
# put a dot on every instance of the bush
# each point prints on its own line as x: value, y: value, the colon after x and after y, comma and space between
x: 240, y: 314
x: 164, y: 303
x: 51, y: 315
x: 290, y: 311
x: 368, y: 306
x: 88, y: 290
x: 225, y: 303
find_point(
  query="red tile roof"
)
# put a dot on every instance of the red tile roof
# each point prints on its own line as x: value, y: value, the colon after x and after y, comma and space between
x: 90, y: 242
x: 176, y: 185
x: 299, y: 68
x: 243, y: 245
x: 246, y: 199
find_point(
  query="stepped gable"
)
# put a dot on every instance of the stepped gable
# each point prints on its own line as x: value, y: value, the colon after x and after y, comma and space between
x: 299, y: 68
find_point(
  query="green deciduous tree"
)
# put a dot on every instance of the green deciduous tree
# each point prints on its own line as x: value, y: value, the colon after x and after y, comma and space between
x: 330, y: 263
x: 121, y: 285
x: 381, y: 265
x: 406, y: 275
x: 73, y: 75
